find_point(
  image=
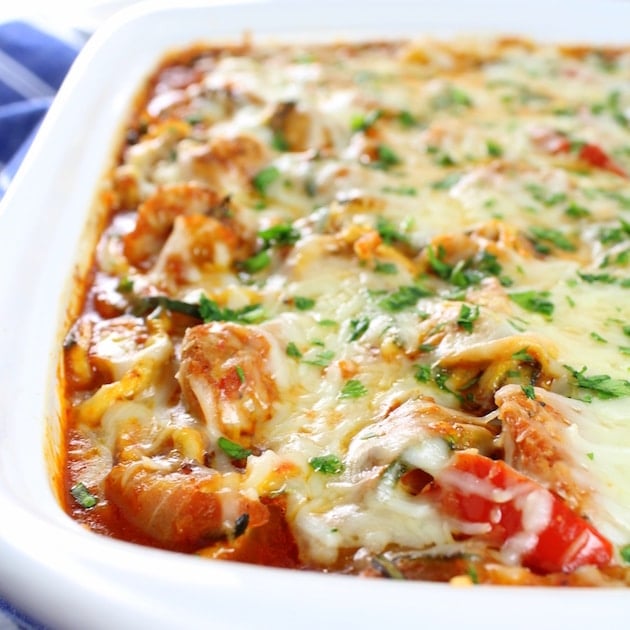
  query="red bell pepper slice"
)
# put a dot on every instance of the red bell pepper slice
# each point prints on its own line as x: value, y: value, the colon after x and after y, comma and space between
x: 554, y: 142
x: 517, y: 514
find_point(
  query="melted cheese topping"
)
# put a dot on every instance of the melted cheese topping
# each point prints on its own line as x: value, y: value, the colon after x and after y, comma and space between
x: 393, y: 233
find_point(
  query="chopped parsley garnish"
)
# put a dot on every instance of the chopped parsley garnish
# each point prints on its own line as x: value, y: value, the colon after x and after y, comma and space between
x: 523, y: 356
x: 210, y: 311
x: 423, y: 373
x: 544, y: 196
x: 232, y: 449
x: 240, y: 373
x: 321, y: 359
x: 353, y: 389
x: 125, y: 285
x: 553, y: 236
x: 280, y: 234
x: 358, y: 327
x: 602, y: 385
x: 529, y: 391
x: 465, y: 273
x: 387, y: 268
x: 597, y: 337
x: 577, y: 212
x: 624, y: 552
x: 83, y: 496
x: 362, y: 122
x: 327, y: 464
x: 407, y: 119
x: 447, y: 183
x: 494, y: 149
x: 389, y: 232
x: 407, y: 191
x: 467, y: 317
x: 264, y: 178
x: 534, y: 301
x: 614, y: 235
x: 437, y: 263
x: 404, y: 297
x: 257, y: 262
x: 279, y: 142
x: 386, y: 157
x: 303, y: 303
x: 292, y: 351
x: 451, y: 97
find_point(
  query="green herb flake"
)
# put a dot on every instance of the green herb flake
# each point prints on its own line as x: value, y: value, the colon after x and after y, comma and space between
x: 553, y: 236
x: 534, y: 301
x: 293, y: 351
x: 303, y: 303
x: 386, y: 268
x: 279, y: 235
x: 232, y: 449
x: 472, y: 574
x: 545, y: 196
x: 83, y: 496
x: 577, y: 212
x: 523, y: 356
x: 494, y: 149
x: 422, y: 373
x: 602, y: 385
x: 279, y: 142
x: 624, y: 552
x: 210, y: 311
x: 321, y: 359
x: 240, y: 373
x: 591, y: 456
x: 407, y: 191
x: 452, y: 97
x: 353, y: 389
x: 327, y: 464
x: 467, y: 317
x: 125, y: 285
x: 386, y: 157
x: 447, y: 183
x: 437, y: 264
x: 257, y: 262
x: 529, y: 391
x: 328, y: 323
x: 358, y: 327
x: 362, y: 122
x: 407, y: 119
x: 597, y: 337
x: 389, y: 232
x: 264, y: 178
x: 404, y: 297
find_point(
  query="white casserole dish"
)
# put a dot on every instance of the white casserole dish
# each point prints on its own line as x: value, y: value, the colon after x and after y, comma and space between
x: 64, y: 576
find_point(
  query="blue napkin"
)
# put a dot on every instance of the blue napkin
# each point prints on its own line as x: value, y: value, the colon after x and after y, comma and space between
x: 33, y: 64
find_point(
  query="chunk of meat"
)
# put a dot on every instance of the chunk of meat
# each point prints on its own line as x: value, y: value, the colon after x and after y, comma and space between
x: 157, y: 215
x: 535, y: 443
x: 409, y: 425
x: 225, y: 163
x: 200, y: 245
x: 181, y: 509
x: 225, y: 380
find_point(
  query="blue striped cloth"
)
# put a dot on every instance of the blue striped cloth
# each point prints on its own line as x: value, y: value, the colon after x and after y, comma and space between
x: 33, y: 64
